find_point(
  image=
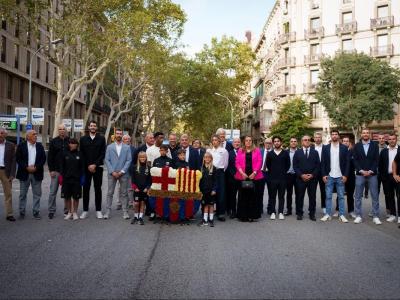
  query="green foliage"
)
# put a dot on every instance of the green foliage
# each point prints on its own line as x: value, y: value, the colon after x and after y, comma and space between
x: 356, y: 89
x: 293, y: 121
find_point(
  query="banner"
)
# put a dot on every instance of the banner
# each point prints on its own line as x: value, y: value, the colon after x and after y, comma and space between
x: 78, y: 125
x: 22, y: 112
x: 37, y: 116
x: 68, y: 124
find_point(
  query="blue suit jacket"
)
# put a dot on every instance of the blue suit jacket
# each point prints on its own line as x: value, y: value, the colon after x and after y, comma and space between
x: 303, y: 165
x: 366, y: 162
x: 231, y: 170
x: 194, y: 159
x: 117, y: 163
x: 22, y: 161
x: 344, y: 160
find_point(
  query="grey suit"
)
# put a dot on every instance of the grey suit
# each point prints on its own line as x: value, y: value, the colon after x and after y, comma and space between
x: 118, y: 163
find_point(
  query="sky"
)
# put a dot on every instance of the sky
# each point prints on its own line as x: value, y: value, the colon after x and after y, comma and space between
x: 214, y: 18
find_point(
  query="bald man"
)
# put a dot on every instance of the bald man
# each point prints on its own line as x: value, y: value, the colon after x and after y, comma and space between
x: 57, y: 147
x: 30, y: 157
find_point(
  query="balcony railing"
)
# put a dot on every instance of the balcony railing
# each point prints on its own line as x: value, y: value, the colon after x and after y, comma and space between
x: 381, y: 51
x: 313, y: 59
x: 382, y: 22
x: 314, y: 33
x: 270, y: 55
x: 309, y: 88
x: 286, y: 90
x: 347, y: 1
x: 314, y: 4
x: 287, y: 37
x: 287, y: 62
x: 344, y: 28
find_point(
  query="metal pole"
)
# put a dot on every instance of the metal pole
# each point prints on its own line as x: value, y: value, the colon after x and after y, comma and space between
x: 230, y: 103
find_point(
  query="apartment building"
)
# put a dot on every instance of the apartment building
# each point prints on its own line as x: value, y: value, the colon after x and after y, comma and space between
x: 297, y: 35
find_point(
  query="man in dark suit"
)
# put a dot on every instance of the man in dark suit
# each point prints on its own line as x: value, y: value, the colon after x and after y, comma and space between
x: 386, y: 159
x: 335, y: 165
x: 264, y: 153
x: 30, y: 157
x: 192, y: 155
x: 7, y: 172
x: 350, y: 184
x: 196, y: 144
x: 366, y: 160
x: 232, y: 183
x: 148, y: 142
x: 307, y: 166
x: 173, y: 146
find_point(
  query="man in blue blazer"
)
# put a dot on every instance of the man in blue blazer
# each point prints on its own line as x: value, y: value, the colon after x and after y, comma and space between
x: 192, y: 155
x: 30, y: 157
x: 307, y: 167
x: 366, y: 160
x: 335, y: 165
x: 118, y: 160
x: 232, y: 183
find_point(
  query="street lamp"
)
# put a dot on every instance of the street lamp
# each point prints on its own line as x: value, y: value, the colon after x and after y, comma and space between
x: 55, y: 42
x: 230, y: 103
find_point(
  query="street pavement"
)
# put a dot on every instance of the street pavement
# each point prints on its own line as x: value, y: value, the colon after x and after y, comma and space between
x: 57, y: 259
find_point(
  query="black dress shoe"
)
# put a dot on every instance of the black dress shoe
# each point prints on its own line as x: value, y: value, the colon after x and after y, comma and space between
x: 51, y: 216
x: 37, y: 216
x: 21, y: 216
x: 299, y: 218
x: 221, y: 219
x: 312, y: 218
x: 10, y: 218
x: 288, y: 213
x: 232, y: 216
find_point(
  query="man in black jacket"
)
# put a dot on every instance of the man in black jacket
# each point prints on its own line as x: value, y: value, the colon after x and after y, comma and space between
x: 307, y: 166
x: 57, y: 147
x: 30, y: 157
x: 232, y: 183
x: 278, y: 164
x: 93, y: 149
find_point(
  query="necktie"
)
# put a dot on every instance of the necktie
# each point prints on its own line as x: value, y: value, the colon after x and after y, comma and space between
x: 306, y: 152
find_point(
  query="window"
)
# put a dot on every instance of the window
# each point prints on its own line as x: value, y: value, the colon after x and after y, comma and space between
x: 382, y: 40
x: 3, y: 49
x: 16, y: 58
x: 347, y: 45
x: 314, y: 49
x: 9, y: 86
x: 47, y: 72
x: 286, y: 79
x: 347, y: 17
x: 314, y: 111
x: 28, y: 35
x: 286, y: 54
x: 21, y: 91
x: 17, y: 26
x: 28, y: 61
x: 41, y: 98
x: 286, y: 27
x: 55, y: 76
x: 48, y: 125
x: 315, y: 23
x: 314, y: 76
x: 38, y: 67
x: 3, y: 24
x: 49, y: 100
x: 383, y: 11
x: 9, y: 110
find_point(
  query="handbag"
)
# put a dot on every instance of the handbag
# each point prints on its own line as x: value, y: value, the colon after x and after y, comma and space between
x: 247, y: 184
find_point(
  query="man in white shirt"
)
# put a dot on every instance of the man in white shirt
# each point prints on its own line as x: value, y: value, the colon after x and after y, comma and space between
x: 220, y: 162
x: 221, y: 133
x: 291, y: 177
x: 318, y: 147
x: 153, y: 152
x: 335, y: 167
x: 386, y: 159
x: 264, y: 152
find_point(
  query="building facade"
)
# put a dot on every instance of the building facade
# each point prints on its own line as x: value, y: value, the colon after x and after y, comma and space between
x: 297, y: 35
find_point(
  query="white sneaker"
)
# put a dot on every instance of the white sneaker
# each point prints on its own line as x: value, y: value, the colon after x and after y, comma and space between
x: 105, y: 216
x: 126, y: 215
x: 75, y: 216
x: 99, y: 215
x: 68, y: 216
x: 84, y: 215
x: 398, y: 221
x: 324, y: 211
x: 358, y: 220
x: 325, y: 218
x: 273, y: 216
x: 336, y: 214
x: 281, y: 216
x: 343, y: 219
x: 353, y: 215
x: 391, y: 219
x: 376, y: 221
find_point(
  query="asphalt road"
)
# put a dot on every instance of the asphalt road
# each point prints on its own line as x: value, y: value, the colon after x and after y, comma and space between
x: 267, y: 259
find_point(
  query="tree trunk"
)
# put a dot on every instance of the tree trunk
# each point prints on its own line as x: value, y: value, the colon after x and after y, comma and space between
x: 355, y: 133
x: 59, y: 104
x: 135, y: 128
x: 109, y: 123
x: 92, y: 101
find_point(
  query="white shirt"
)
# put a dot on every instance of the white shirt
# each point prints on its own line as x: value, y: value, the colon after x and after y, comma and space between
x: 291, y: 154
x: 335, y: 163
x: 220, y: 157
x: 118, y: 147
x: 92, y: 136
x: 392, y: 155
x: 319, y: 150
x: 186, y: 153
x: 264, y: 158
x: 31, y: 154
x: 153, y: 153
x: 277, y: 152
x: 2, y: 151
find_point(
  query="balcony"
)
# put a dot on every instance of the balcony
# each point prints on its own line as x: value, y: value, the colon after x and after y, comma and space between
x: 382, y: 51
x: 314, y: 33
x: 269, y: 56
x: 313, y: 59
x: 256, y: 116
x: 383, y: 22
x: 287, y: 62
x: 314, y: 4
x: 309, y: 88
x: 286, y: 90
x: 287, y: 37
x: 347, y: 1
x: 350, y: 27
x: 256, y: 101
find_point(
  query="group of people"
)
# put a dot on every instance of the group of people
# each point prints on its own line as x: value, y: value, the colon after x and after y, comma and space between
x: 235, y: 175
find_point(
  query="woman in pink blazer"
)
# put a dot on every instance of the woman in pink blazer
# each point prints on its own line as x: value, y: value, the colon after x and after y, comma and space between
x: 248, y: 166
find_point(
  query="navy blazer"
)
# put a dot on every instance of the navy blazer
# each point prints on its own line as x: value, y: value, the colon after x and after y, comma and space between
x: 384, y: 161
x: 194, y: 159
x: 133, y: 152
x: 141, y: 148
x: 228, y: 146
x: 344, y: 160
x: 22, y: 161
x: 366, y: 162
x: 303, y: 165
x: 231, y: 169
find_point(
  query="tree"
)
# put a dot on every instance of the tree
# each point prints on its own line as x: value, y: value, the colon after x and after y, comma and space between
x: 356, y: 90
x: 293, y: 120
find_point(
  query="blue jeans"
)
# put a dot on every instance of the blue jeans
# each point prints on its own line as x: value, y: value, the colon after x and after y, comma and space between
x: 329, y: 186
x: 373, y: 188
x: 36, y: 191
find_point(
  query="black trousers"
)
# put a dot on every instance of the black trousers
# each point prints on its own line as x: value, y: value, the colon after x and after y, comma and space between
x: 232, y: 188
x: 322, y: 191
x: 290, y: 186
x: 221, y: 201
x: 277, y: 187
x: 311, y: 187
x: 97, y: 182
x: 391, y: 189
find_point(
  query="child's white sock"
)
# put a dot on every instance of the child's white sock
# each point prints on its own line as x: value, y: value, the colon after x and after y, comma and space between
x: 136, y: 215
x: 205, y: 217
x: 211, y: 216
x: 140, y: 215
